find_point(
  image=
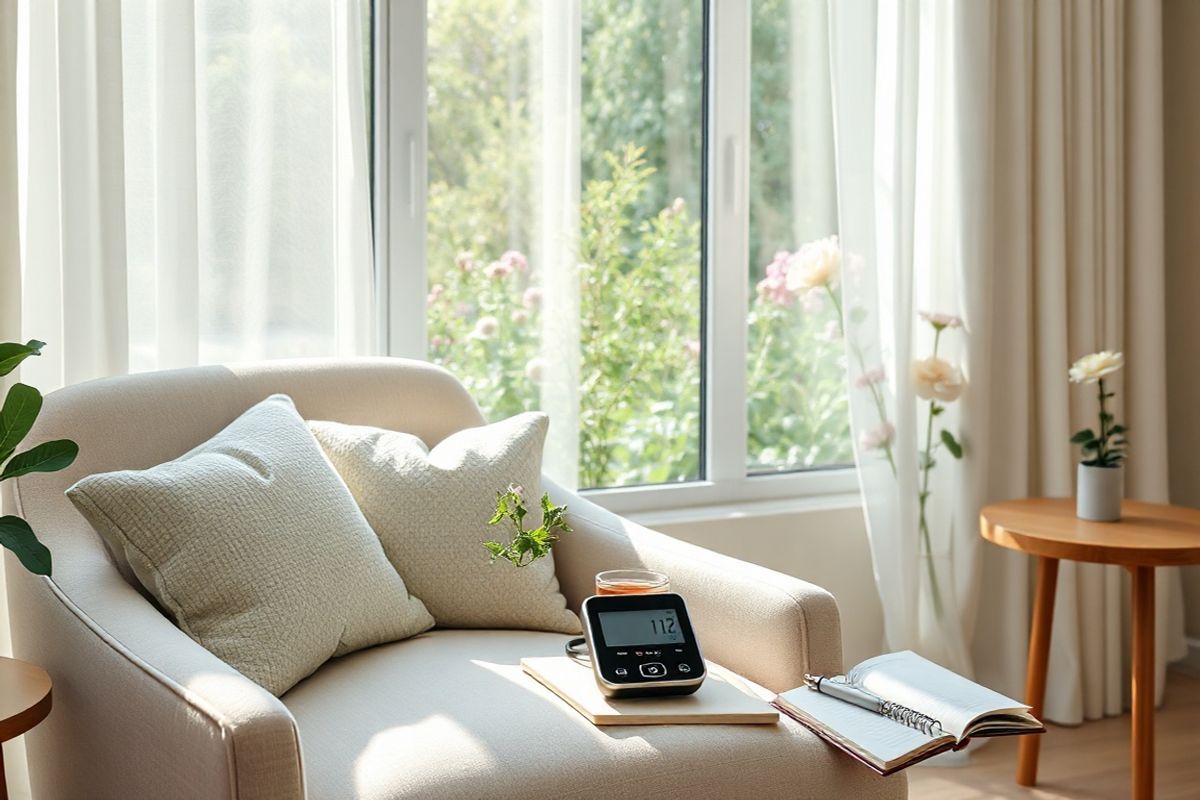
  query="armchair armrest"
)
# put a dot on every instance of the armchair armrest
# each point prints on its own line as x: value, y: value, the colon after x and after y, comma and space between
x: 769, y: 627
x: 141, y: 710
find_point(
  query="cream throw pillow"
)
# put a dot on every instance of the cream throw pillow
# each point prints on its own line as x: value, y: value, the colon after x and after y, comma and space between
x: 430, y: 509
x: 255, y: 546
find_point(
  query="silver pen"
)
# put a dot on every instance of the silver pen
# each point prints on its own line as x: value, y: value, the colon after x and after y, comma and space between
x: 844, y: 691
x: 856, y: 695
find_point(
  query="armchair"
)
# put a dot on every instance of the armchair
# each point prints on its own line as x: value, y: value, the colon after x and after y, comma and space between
x: 141, y: 710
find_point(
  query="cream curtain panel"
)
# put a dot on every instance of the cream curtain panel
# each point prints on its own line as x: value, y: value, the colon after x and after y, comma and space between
x: 1075, y: 189
x: 181, y: 182
x: 1003, y: 161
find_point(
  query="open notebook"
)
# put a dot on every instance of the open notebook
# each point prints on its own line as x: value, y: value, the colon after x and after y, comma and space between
x: 963, y: 709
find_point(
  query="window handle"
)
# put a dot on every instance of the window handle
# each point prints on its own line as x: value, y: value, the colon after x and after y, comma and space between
x: 733, y: 197
x: 412, y: 176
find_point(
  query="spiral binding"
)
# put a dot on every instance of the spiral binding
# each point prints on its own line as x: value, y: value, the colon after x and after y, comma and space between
x: 913, y: 719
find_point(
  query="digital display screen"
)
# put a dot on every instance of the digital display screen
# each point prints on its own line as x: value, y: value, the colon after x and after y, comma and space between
x: 656, y: 626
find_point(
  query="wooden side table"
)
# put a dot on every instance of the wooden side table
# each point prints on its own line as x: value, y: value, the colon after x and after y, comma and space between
x: 1148, y: 535
x: 24, y: 702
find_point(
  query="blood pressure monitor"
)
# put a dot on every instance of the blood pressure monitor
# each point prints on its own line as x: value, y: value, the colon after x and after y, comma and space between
x: 642, y: 645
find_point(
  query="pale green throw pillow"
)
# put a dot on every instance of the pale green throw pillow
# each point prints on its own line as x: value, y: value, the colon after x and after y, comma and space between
x: 254, y: 545
x: 430, y: 509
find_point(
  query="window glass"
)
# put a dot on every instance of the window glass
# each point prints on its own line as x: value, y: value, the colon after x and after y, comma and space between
x: 563, y: 219
x: 797, y: 415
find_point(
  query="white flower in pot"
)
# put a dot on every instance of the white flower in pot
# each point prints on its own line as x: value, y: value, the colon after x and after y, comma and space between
x: 1098, y: 494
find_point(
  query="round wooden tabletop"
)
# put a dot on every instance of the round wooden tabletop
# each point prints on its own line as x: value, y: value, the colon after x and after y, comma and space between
x: 1148, y: 534
x: 24, y: 697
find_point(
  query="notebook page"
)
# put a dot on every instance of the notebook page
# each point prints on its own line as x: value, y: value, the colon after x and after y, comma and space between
x: 924, y: 686
x: 884, y: 740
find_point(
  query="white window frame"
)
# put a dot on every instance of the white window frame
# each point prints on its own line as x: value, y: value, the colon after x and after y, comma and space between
x: 400, y: 192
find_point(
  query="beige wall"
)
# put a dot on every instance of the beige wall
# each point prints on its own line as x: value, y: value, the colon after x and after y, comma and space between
x: 827, y: 547
x: 1181, y: 99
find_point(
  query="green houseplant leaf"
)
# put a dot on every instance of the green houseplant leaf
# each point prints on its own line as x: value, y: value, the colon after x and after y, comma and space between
x: 46, y: 457
x: 1083, y: 436
x: 21, y: 407
x: 13, y: 353
x: 16, y: 535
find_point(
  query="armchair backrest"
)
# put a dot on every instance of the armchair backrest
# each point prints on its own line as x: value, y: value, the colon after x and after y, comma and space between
x: 137, y: 421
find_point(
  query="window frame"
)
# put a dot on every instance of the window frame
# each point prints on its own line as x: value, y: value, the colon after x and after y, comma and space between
x: 400, y: 186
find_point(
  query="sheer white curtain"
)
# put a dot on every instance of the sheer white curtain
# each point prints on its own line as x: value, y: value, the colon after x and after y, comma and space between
x: 194, y: 183
x: 905, y: 228
x: 1002, y: 161
x: 557, y: 95
x: 181, y: 183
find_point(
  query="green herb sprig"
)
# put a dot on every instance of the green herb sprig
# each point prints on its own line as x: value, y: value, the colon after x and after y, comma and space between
x: 526, y: 546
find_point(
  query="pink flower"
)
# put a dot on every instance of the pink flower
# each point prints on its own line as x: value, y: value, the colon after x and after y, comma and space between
x: 878, y: 437
x: 873, y: 375
x: 515, y: 259
x: 692, y: 347
x: 939, y: 320
x: 498, y: 270
x: 435, y: 292
x: 439, y: 341
x: 520, y: 316
x: 465, y: 261
x: 532, y: 297
x: 773, y: 288
x: 518, y: 490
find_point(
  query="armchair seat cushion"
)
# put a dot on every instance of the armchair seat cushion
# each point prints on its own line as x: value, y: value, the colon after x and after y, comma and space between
x: 449, y: 714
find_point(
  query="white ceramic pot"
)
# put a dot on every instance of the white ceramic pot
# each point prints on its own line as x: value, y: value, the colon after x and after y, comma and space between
x: 1098, y: 493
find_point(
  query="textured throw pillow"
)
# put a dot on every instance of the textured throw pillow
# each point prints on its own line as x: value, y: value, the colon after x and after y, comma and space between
x: 430, y: 509
x: 255, y: 546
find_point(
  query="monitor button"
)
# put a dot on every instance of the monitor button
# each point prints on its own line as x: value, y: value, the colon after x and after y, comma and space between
x: 684, y: 668
x: 652, y: 670
x: 620, y: 672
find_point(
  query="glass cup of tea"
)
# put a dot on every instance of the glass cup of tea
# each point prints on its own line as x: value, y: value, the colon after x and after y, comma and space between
x: 632, y: 581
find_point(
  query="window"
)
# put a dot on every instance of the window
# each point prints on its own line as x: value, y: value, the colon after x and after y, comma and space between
x: 796, y: 402
x: 569, y: 229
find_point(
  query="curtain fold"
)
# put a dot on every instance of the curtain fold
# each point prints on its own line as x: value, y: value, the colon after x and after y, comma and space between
x: 1035, y: 212
x: 181, y: 183
x: 195, y: 184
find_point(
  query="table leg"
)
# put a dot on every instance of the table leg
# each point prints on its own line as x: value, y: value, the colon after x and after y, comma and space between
x: 3, y: 779
x: 1142, y: 738
x: 1039, y: 657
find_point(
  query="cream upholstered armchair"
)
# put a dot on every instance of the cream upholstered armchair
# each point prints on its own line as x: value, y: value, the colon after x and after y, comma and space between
x: 142, y: 711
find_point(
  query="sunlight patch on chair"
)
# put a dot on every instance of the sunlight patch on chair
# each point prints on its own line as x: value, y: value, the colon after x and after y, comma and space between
x: 392, y: 756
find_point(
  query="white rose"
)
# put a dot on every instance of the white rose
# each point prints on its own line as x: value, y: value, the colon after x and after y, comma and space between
x: 485, y: 328
x: 937, y: 379
x: 535, y: 370
x: 816, y: 265
x: 1090, y: 369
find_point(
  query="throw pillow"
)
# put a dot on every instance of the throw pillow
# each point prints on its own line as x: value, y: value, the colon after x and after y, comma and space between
x: 254, y: 545
x: 430, y: 509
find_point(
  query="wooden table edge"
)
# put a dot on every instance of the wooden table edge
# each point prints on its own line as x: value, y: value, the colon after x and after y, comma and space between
x: 24, y: 721
x: 995, y: 528
x: 1089, y: 553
